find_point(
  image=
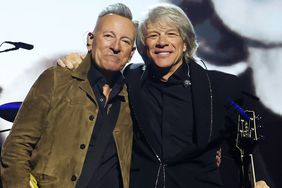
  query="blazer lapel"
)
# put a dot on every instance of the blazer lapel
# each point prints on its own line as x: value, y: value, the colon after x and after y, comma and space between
x: 202, y: 100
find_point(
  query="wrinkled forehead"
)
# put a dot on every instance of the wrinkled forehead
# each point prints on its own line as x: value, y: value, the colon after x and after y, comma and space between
x: 161, y: 24
x: 114, y: 20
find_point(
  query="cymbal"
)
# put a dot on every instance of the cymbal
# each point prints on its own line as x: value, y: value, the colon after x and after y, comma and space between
x: 8, y: 111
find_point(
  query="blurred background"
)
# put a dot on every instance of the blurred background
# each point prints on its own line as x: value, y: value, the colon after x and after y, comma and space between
x: 235, y: 36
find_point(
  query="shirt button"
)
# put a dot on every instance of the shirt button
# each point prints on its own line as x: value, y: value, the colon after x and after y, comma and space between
x: 73, y: 178
x: 82, y: 146
x: 101, y: 99
x: 91, y: 117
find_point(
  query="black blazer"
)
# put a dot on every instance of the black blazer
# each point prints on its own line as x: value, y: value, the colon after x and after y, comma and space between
x: 215, y: 120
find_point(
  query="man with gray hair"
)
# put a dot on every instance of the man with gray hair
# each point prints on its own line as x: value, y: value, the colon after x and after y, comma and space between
x: 74, y: 127
x: 187, y: 114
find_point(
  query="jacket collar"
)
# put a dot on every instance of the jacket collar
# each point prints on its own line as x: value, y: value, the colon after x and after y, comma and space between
x: 81, y: 73
x: 202, y: 103
x: 178, y: 77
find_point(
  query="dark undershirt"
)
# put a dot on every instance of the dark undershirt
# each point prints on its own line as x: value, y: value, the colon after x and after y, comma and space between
x: 171, y: 112
x: 107, y: 175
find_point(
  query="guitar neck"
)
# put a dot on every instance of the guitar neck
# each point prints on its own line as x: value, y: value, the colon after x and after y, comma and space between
x: 248, y: 171
x: 246, y: 140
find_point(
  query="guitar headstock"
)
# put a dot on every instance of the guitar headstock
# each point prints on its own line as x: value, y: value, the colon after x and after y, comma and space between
x: 247, y: 127
x: 247, y: 135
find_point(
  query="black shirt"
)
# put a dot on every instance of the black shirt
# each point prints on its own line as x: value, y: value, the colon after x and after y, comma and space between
x: 169, y: 108
x: 107, y: 174
x: 171, y: 112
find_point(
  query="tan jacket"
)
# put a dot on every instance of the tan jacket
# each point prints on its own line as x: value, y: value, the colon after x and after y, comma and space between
x: 56, y: 117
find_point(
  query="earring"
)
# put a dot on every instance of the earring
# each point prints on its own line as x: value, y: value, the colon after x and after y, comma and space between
x: 89, y: 40
x: 90, y: 35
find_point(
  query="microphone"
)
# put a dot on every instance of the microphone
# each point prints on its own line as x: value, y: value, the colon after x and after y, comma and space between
x: 20, y: 45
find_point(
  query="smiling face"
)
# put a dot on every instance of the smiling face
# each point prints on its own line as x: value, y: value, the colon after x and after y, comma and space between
x: 113, y: 42
x: 165, y: 45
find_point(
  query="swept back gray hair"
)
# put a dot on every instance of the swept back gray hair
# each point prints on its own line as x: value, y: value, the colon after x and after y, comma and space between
x: 168, y: 14
x: 118, y: 9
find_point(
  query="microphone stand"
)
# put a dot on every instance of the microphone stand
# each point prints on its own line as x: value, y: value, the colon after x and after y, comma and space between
x: 5, y: 130
x: 10, y: 49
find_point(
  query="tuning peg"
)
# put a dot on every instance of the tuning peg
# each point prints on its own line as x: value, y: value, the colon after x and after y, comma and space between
x: 259, y: 126
x: 258, y: 117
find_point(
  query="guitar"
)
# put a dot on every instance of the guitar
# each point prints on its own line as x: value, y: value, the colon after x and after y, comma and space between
x: 246, y: 140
